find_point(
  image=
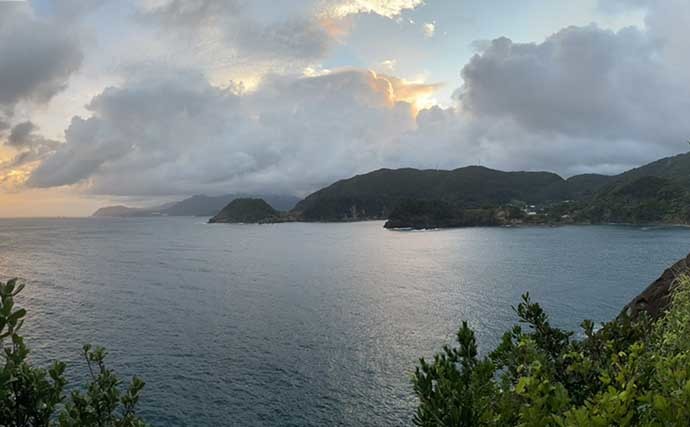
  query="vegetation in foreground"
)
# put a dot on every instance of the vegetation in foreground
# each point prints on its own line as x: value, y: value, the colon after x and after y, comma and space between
x: 31, y: 396
x: 627, y: 373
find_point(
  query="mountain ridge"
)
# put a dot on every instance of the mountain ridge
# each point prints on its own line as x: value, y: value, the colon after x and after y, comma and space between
x: 376, y: 194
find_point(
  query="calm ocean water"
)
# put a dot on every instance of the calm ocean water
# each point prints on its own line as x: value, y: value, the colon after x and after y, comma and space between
x: 302, y: 324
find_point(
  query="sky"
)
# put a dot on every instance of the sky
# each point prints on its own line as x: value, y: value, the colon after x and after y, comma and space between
x: 140, y: 102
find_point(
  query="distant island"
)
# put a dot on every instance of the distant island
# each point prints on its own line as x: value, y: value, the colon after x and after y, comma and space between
x: 247, y: 210
x: 199, y: 205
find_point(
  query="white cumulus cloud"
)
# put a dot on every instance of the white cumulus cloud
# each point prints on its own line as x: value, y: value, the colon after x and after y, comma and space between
x: 182, y: 135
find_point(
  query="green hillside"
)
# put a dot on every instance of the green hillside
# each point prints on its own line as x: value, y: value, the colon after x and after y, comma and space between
x: 581, y: 187
x: 647, y: 199
x: 628, y: 197
x: 376, y: 194
x: 676, y: 168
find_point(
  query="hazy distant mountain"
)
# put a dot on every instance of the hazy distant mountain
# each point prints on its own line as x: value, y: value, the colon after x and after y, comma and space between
x: 199, y: 205
x: 118, y: 210
x: 124, y: 211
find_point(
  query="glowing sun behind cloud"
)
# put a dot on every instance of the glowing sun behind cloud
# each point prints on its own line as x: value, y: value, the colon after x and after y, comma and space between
x: 387, y: 8
x: 416, y: 93
x: 168, y: 98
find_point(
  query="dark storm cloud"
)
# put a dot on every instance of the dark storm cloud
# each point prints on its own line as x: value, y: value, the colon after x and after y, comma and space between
x: 36, y: 57
x: 30, y: 146
x: 290, y: 36
x: 21, y: 134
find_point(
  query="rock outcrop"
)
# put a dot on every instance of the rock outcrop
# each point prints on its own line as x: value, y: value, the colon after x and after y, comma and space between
x: 656, y: 298
x: 246, y: 211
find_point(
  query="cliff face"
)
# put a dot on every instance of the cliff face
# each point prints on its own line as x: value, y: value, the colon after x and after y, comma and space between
x: 656, y: 298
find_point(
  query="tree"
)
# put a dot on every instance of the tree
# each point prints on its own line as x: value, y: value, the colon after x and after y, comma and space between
x: 31, y: 396
x: 627, y: 373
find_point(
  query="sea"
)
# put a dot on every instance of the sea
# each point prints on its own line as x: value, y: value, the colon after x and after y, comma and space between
x: 302, y: 324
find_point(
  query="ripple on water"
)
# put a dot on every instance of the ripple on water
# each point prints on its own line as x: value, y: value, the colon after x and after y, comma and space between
x: 302, y: 324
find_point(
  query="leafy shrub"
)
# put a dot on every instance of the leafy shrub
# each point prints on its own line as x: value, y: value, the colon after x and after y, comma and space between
x: 627, y: 373
x: 32, y: 396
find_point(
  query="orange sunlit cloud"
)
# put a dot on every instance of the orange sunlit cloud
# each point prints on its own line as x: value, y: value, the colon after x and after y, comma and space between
x: 418, y: 95
x: 386, y: 8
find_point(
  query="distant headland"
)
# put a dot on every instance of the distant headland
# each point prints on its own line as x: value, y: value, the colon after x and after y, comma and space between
x: 658, y: 192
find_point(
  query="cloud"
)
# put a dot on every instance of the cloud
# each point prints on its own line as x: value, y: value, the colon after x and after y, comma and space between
x: 180, y: 135
x: 582, y: 82
x: 240, y: 27
x: 583, y: 100
x: 388, y: 65
x: 37, y: 57
x: 429, y: 29
x: 30, y: 149
x: 386, y: 8
x: 68, y: 10
x: 21, y: 133
x: 450, y: 138
x: 25, y: 136
x: 269, y: 36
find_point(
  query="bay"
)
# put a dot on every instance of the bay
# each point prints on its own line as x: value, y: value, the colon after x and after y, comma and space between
x: 302, y: 324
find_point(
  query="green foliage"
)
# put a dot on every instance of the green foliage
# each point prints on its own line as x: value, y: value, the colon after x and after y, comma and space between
x: 623, y: 374
x: 656, y: 192
x: 424, y: 214
x: 376, y: 194
x: 32, y: 396
x: 648, y: 199
x: 452, y: 388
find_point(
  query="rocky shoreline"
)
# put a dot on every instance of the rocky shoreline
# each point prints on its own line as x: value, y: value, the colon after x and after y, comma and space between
x: 655, y: 299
